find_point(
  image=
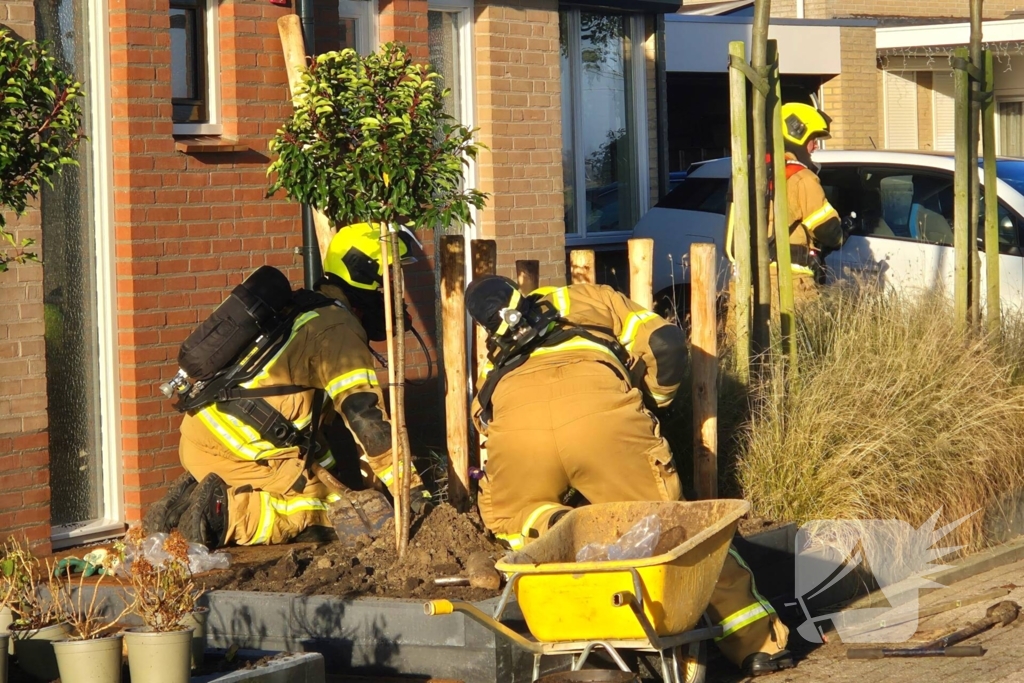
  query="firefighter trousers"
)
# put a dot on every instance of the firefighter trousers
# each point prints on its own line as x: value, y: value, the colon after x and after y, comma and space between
x: 579, y: 425
x: 264, y: 506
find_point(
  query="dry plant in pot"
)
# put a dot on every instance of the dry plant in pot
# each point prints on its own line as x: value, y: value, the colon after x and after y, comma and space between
x: 36, y: 623
x: 92, y: 654
x: 164, y: 595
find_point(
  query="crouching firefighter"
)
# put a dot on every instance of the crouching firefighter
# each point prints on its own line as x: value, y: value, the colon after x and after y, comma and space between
x: 568, y: 400
x: 257, y: 381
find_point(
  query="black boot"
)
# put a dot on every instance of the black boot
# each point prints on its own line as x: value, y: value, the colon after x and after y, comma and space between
x: 761, y: 663
x: 164, y: 514
x: 206, y: 519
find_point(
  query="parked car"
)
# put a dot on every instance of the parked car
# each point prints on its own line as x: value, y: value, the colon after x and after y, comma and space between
x: 900, y: 205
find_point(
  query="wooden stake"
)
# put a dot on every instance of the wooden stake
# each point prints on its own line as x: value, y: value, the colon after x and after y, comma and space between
x: 740, y: 209
x: 581, y: 266
x: 641, y: 274
x: 993, y: 302
x: 962, y: 188
x: 759, y: 223
x: 484, y: 257
x: 453, y: 323
x: 780, y: 204
x: 290, y: 29
x: 528, y: 275
x: 389, y: 329
x: 975, y: 122
x: 704, y: 340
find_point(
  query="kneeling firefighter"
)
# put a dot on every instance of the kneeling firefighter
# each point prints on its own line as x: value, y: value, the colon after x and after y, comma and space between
x: 245, y: 453
x: 568, y: 400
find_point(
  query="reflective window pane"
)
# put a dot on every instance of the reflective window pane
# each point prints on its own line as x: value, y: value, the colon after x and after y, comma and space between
x: 568, y: 148
x: 183, y: 54
x: 443, y: 32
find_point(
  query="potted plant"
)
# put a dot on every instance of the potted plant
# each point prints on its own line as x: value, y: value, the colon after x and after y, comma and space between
x: 36, y: 622
x: 164, y: 596
x: 92, y: 653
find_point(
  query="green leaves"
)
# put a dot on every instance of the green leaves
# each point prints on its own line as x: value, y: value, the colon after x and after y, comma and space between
x: 40, y: 116
x: 369, y: 141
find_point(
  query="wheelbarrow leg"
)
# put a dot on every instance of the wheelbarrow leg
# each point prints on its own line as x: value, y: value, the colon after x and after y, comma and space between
x: 581, y: 659
x: 536, y: 668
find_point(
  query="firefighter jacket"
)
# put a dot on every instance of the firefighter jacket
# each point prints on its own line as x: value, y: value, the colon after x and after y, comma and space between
x: 652, y: 352
x: 327, y: 350
x: 813, y: 223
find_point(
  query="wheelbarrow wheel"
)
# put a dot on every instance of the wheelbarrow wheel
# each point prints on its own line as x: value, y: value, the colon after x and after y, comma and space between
x: 689, y: 662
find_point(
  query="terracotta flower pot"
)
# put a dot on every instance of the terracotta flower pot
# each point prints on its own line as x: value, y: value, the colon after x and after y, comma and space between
x: 159, y: 656
x: 197, y: 621
x: 34, y: 650
x: 89, y: 661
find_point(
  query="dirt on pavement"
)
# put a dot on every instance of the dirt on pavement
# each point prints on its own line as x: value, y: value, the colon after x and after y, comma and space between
x: 440, y: 543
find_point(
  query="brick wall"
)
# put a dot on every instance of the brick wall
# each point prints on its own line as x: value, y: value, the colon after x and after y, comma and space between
x: 24, y: 458
x: 851, y: 98
x: 651, y: 84
x: 518, y: 86
x: 828, y: 9
x: 186, y: 227
x: 405, y: 21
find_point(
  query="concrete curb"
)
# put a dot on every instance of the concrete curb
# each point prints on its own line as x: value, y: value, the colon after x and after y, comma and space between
x: 295, y: 668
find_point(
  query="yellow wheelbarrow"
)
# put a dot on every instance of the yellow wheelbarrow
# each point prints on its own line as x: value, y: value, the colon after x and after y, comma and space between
x: 651, y: 605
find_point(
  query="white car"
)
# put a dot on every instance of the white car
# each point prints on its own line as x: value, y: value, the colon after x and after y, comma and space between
x: 900, y: 205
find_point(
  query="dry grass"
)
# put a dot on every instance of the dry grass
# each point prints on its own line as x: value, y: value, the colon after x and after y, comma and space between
x: 895, y: 415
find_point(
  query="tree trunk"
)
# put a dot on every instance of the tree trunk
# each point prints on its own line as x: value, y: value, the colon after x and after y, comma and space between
x: 401, y: 518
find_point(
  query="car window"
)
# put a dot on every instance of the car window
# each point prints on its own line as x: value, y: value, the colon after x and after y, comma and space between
x: 698, y: 194
x: 1009, y: 228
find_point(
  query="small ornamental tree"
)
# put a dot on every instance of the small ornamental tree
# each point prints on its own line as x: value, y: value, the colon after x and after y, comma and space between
x: 369, y: 142
x: 40, y: 116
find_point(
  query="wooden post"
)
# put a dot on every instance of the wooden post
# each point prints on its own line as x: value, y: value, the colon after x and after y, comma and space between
x: 401, y: 520
x: 453, y: 330
x: 484, y: 257
x: 528, y: 275
x: 780, y: 205
x: 962, y: 188
x: 975, y: 216
x: 641, y: 274
x: 993, y: 301
x: 740, y: 208
x: 581, y: 267
x: 759, y: 224
x: 290, y: 29
x: 704, y: 340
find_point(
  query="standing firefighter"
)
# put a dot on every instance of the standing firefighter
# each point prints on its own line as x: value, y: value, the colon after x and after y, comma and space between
x: 248, y: 454
x: 814, y: 226
x: 576, y: 375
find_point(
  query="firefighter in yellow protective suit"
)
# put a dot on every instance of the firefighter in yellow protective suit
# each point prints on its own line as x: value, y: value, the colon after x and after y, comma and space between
x: 815, y: 228
x: 238, y: 487
x: 576, y: 375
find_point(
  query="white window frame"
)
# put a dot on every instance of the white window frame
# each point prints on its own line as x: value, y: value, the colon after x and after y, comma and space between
x: 366, y: 23
x: 999, y: 124
x: 111, y: 520
x: 214, y: 122
x: 638, y: 103
x: 463, y: 11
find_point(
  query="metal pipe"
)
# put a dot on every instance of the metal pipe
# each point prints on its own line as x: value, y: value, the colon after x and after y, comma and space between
x: 312, y: 265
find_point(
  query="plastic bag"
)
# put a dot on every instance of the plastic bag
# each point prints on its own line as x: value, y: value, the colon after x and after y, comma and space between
x: 200, y: 559
x: 637, y: 543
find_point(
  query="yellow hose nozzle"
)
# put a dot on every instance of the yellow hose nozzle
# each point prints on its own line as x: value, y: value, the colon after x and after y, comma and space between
x: 437, y: 607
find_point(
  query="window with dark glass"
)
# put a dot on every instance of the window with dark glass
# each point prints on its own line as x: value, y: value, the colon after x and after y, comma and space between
x: 188, y: 61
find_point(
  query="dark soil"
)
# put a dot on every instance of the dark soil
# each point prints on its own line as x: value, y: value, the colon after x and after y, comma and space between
x: 753, y: 525
x: 439, y: 545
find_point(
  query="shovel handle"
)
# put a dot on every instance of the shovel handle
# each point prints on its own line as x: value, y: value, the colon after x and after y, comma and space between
x: 329, y: 480
x: 865, y: 653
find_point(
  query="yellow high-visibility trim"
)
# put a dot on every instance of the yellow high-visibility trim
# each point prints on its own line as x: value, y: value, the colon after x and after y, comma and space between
x: 743, y: 618
x: 535, y: 515
x: 342, y: 383
x: 561, y: 298
x: 266, y: 523
x: 328, y: 461
x: 660, y: 399
x: 578, y: 344
x: 387, y: 475
x: 514, y: 541
x: 265, y: 372
x: 544, y: 291
x: 826, y: 212
x: 633, y: 322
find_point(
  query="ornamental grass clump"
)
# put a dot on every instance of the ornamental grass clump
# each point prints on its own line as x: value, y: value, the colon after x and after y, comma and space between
x: 163, y: 594
x: 895, y: 414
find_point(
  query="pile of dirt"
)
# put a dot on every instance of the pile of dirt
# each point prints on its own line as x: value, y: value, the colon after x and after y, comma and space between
x: 440, y: 543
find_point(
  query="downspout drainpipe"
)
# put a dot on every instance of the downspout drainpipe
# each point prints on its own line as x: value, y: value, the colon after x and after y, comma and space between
x: 799, y: 9
x: 312, y: 266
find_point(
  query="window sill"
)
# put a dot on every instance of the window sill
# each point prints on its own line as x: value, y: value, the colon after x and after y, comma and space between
x: 207, y: 144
